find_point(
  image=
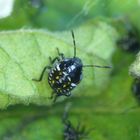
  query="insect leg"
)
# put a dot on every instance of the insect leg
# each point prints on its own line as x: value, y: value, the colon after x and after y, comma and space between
x: 52, y: 95
x: 50, y: 59
x: 42, y: 74
x: 78, y: 126
x: 60, y: 54
x: 82, y: 129
x: 55, y: 98
x: 53, y: 60
x: 68, y: 94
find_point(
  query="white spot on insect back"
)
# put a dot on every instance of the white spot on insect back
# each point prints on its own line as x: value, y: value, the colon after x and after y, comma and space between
x: 73, y: 85
x: 69, y: 78
x: 69, y: 69
x: 72, y: 67
x: 68, y: 89
x: 65, y: 74
x: 60, y: 80
x: 58, y: 68
x: 52, y: 71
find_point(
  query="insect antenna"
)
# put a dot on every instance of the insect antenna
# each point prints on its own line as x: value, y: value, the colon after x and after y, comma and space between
x: 74, y: 43
x: 97, y: 66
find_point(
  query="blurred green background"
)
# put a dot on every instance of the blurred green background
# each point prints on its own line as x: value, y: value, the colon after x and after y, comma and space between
x: 106, y: 31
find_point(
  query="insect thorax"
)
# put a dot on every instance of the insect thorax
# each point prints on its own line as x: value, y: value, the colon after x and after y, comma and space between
x: 65, y: 75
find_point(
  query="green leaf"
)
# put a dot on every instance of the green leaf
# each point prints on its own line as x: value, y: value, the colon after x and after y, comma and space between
x: 56, y: 16
x: 25, y: 53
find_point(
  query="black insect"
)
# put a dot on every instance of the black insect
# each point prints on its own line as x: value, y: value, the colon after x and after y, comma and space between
x: 65, y: 73
x: 130, y: 42
x: 136, y: 89
x: 74, y: 133
x: 71, y: 132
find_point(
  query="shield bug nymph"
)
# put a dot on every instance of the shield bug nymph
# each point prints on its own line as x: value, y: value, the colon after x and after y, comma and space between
x: 72, y: 132
x: 65, y: 73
